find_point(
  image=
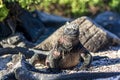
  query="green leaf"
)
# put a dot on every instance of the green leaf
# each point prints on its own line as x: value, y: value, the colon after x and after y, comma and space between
x: 1, y: 4
x: 3, y: 12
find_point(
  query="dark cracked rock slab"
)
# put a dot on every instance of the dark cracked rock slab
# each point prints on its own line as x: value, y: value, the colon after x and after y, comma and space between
x: 92, y: 36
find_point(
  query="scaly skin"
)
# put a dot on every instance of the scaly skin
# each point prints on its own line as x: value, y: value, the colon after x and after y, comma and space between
x: 68, y: 51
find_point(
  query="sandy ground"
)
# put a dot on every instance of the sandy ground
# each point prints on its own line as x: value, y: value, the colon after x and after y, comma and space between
x: 109, y: 64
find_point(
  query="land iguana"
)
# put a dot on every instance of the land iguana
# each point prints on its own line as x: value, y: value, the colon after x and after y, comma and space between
x: 68, y: 51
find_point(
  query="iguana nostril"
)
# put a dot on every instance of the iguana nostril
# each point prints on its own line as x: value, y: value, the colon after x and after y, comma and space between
x: 47, y: 63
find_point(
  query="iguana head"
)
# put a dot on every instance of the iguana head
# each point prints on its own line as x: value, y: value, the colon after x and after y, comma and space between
x: 71, y: 30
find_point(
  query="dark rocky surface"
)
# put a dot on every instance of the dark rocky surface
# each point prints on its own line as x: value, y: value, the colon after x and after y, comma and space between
x: 4, y: 31
x: 110, y: 21
x: 50, y: 20
x: 31, y: 26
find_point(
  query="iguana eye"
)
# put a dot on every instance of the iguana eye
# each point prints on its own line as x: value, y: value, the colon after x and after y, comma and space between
x: 68, y: 29
x: 74, y: 29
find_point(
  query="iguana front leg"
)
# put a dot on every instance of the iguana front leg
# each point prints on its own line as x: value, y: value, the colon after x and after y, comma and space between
x: 87, y: 59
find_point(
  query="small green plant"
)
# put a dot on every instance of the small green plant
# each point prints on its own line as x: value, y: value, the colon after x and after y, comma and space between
x: 3, y: 11
x: 114, y: 5
x: 24, y: 4
x: 76, y: 8
x: 68, y: 8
